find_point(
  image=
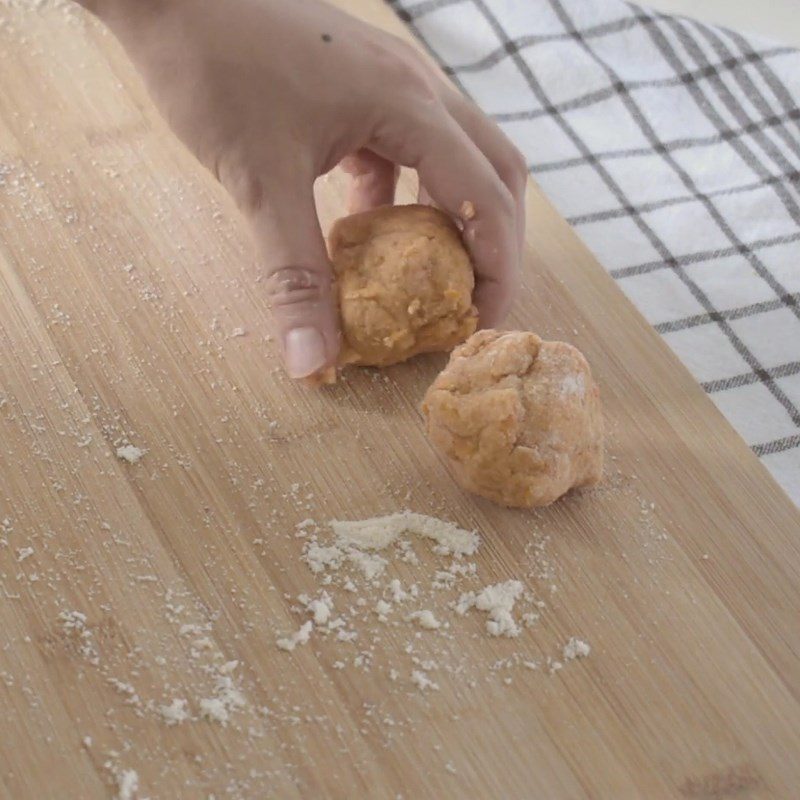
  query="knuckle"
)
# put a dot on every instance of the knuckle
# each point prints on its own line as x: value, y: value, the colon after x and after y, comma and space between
x: 405, y: 73
x: 413, y: 141
x: 424, y: 92
x: 289, y: 287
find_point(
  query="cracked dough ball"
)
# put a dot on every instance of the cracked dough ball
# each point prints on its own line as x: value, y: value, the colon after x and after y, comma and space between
x: 405, y: 284
x: 518, y: 419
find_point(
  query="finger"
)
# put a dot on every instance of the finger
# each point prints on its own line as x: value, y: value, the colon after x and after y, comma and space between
x: 374, y: 181
x: 461, y: 180
x: 506, y: 159
x: 297, y: 275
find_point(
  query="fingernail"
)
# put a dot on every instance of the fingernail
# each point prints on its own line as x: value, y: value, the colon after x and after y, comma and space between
x: 305, y: 352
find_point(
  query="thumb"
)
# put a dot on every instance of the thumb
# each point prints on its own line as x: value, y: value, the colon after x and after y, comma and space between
x: 299, y: 284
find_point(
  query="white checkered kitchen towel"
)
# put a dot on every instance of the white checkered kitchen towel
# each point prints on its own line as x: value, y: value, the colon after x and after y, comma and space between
x: 673, y: 148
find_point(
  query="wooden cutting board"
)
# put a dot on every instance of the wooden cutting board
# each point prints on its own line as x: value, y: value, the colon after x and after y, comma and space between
x: 124, y: 587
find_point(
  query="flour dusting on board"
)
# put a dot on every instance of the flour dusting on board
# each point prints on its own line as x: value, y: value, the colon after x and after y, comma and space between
x: 393, y: 596
x: 364, y: 566
x: 130, y: 453
x: 128, y: 783
x: 379, y: 532
x: 498, y: 602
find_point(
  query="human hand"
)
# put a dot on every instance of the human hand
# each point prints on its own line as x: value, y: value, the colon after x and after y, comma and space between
x: 270, y: 94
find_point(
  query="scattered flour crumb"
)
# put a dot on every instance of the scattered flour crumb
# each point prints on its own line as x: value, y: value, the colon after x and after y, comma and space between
x: 74, y: 623
x: 497, y: 601
x: 189, y: 628
x: 576, y: 648
x: 175, y: 712
x: 212, y: 708
x: 72, y: 620
x: 396, y: 591
x: 320, y: 609
x: 407, y: 553
x: 382, y: 609
x: 426, y: 619
x: 422, y: 681
x: 130, y: 453
x: 300, y: 636
x: 127, y: 784
x: 371, y: 565
x: 127, y: 690
x: 226, y: 699
x: 319, y: 558
x: 23, y: 553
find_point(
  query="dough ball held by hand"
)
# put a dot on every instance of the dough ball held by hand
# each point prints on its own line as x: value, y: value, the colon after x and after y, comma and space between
x: 518, y: 419
x: 404, y: 283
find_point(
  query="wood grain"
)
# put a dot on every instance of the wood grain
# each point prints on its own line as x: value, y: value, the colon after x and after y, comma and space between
x: 124, y: 273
